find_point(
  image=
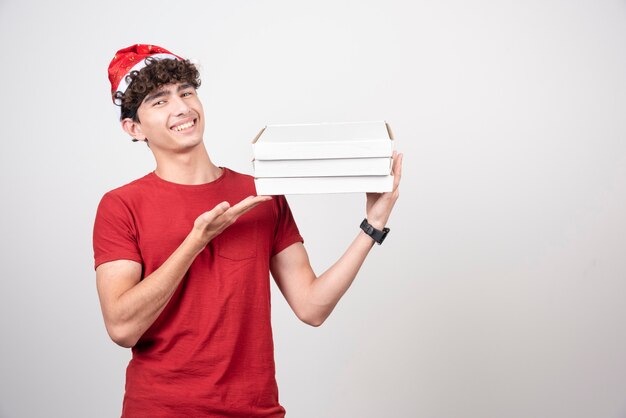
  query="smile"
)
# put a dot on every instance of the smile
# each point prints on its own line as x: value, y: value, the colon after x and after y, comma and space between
x: 183, y: 126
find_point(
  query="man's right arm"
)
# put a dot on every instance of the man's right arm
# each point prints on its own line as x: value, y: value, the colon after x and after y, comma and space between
x: 131, y: 305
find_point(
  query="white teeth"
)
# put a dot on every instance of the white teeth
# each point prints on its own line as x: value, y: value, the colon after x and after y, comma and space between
x: 183, y: 126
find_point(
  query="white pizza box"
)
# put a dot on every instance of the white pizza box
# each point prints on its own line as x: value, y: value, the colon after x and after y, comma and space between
x: 324, y: 141
x: 313, y: 185
x: 379, y: 166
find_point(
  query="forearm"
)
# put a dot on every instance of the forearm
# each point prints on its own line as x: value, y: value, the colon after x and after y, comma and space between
x: 137, y: 308
x: 314, y: 298
x: 325, y: 291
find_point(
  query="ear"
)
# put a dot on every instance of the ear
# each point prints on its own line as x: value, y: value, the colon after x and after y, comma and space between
x: 133, y: 129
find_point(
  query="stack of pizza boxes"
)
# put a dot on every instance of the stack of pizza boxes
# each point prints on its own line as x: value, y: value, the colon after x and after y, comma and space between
x: 323, y: 158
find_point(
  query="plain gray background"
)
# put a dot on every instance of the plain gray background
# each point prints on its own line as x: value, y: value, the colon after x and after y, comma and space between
x: 501, y: 289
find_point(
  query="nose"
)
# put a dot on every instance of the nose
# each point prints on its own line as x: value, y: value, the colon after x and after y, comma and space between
x: 181, y: 107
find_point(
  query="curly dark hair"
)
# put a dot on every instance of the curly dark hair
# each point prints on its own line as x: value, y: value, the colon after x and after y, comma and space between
x: 155, y: 74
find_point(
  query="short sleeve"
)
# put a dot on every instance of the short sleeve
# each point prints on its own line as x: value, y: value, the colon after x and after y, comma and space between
x: 286, y: 229
x: 114, y: 232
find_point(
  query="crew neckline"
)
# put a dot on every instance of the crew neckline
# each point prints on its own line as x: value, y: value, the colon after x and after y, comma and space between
x: 162, y: 182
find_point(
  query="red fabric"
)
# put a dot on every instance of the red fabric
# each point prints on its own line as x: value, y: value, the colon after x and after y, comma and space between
x: 126, y: 58
x: 210, y: 353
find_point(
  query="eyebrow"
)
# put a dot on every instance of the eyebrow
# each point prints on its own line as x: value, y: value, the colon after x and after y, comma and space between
x: 156, y: 95
x: 183, y: 87
x: 165, y: 92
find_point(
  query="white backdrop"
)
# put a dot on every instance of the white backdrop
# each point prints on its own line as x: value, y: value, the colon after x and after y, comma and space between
x: 500, y: 290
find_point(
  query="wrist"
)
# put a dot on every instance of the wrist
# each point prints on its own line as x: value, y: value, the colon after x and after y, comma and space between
x: 376, y: 223
x: 194, y: 242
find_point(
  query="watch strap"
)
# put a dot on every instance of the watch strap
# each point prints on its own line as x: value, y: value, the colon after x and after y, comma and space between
x: 376, y: 234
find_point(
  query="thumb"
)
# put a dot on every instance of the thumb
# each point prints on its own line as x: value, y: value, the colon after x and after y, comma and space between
x: 218, y: 210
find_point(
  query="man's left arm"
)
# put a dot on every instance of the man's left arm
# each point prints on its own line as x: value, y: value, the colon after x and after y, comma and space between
x: 313, y: 298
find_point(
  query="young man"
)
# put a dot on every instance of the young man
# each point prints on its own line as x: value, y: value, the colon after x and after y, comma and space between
x: 183, y: 256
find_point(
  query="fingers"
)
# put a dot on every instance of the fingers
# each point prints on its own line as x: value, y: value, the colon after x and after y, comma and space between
x: 220, y: 208
x: 248, y: 203
x: 397, y: 169
x: 216, y: 212
x: 224, y: 214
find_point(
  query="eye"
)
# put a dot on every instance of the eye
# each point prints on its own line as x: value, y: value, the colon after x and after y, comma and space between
x: 158, y: 103
x: 187, y: 94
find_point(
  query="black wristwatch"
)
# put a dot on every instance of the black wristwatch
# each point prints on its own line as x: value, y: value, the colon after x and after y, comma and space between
x: 376, y: 234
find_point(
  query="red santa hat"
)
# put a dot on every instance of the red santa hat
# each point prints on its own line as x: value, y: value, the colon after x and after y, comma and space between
x: 133, y: 58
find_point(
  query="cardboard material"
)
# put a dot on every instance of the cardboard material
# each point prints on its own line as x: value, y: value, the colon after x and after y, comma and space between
x: 314, y: 185
x: 323, y: 168
x: 323, y: 158
x: 323, y: 141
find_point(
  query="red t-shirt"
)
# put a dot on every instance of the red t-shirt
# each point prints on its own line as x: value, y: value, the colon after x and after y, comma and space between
x: 210, y: 353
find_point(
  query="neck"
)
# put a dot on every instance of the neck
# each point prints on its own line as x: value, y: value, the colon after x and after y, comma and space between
x: 188, y: 168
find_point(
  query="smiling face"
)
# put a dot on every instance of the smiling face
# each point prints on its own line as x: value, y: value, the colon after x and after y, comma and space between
x: 170, y: 119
